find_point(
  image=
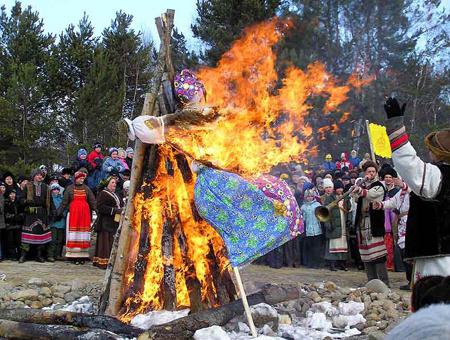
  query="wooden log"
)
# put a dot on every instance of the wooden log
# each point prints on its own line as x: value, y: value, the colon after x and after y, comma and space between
x: 184, y: 328
x: 59, y: 317
x: 124, y: 261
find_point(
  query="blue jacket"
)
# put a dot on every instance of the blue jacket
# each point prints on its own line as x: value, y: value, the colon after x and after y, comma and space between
x: 329, y: 166
x: 312, y: 224
x: 109, y: 164
x: 54, y: 221
x: 355, y: 161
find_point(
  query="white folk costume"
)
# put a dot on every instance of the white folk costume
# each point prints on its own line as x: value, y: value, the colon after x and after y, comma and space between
x: 428, y: 225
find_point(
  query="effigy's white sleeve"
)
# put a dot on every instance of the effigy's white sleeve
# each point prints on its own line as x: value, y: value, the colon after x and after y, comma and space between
x: 149, y: 129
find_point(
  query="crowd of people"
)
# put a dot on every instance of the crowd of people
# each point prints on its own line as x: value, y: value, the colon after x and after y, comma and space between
x: 365, y: 227
x: 51, y: 216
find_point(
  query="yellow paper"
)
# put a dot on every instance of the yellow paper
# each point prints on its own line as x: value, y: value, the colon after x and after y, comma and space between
x: 380, y: 140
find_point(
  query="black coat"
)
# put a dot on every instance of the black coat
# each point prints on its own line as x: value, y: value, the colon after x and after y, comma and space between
x: 13, y: 215
x: 108, y: 206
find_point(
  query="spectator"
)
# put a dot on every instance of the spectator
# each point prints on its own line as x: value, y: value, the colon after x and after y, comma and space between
x: 343, y: 163
x: 57, y: 224
x: 329, y: 165
x: 81, y: 161
x: 80, y: 201
x: 364, y: 160
x: 10, y: 183
x: 35, y: 232
x: 130, y: 155
x: 109, y: 206
x: 96, y: 176
x: 14, y: 221
x: 370, y: 225
x: 2, y: 188
x: 65, y: 180
x: 44, y: 171
x: 313, y: 243
x: 336, y: 227
x: 95, y: 154
x: 21, y: 182
x: 122, y: 157
x: 2, y: 227
x: 112, y: 163
x: 354, y: 159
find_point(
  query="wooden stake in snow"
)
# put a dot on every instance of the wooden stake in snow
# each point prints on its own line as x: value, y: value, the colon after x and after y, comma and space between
x: 245, y: 302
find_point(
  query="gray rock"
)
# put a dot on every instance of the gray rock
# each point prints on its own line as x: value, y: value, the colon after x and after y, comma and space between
x: 61, y: 289
x: 382, y: 325
x: 60, y: 301
x: 45, y: 291
x: 376, y: 335
x: 314, y: 296
x: 35, y: 281
x: 377, y: 286
x: 360, y: 326
x: 36, y: 304
x: 71, y: 297
x: 47, y: 302
x: 370, y: 330
x: 266, y: 330
x: 331, y: 286
x: 26, y: 294
x: 242, y: 327
x: 284, y: 319
x: 339, y: 321
x: 264, y: 314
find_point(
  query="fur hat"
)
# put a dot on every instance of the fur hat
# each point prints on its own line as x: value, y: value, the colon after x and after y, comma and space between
x: 66, y: 171
x: 338, y: 185
x: 388, y: 171
x: 327, y: 183
x: 439, y: 144
x: 369, y: 164
x: 36, y: 172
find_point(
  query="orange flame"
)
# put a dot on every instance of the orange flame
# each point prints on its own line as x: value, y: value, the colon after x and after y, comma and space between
x: 261, y: 125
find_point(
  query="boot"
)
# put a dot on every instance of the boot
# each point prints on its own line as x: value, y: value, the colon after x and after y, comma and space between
x: 23, y: 254
x: 50, y: 259
x: 332, y: 267
x: 39, y: 257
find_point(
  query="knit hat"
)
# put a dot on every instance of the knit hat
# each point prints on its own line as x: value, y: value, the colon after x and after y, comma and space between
x: 121, y: 152
x: 97, y: 145
x: 55, y: 186
x: 35, y: 172
x: 126, y: 185
x: 112, y: 149
x: 327, y: 183
x: 129, y: 150
x: 2, y: 184
x: 328, y: 157
x: 439, y: 144
x: 308, y: 186
x: 81, y: 152
x: 79, y: 174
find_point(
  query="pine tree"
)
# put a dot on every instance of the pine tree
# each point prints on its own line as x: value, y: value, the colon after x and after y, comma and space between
x: 26, y: 118
x: 219, y: 23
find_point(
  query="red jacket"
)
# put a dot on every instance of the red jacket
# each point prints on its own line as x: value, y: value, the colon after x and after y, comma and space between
x: 344, y: 163
x: 92, y: 156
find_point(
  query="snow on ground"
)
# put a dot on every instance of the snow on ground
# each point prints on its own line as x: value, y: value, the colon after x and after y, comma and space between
x: 145, y: 321
x: 82, y: 305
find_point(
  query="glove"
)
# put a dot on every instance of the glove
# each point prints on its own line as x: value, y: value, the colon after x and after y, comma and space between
x: 109, y: 168
x: 392, y: 108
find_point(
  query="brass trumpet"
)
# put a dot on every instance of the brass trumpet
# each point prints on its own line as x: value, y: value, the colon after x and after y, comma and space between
x: 323, y: 212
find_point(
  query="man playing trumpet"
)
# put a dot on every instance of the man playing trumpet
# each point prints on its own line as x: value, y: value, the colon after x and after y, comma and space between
x: 369, y: 224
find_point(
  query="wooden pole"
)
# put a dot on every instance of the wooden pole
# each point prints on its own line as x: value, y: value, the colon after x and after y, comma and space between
x: 128, y: 235
x: 245, y: 302
x: 372, y: 154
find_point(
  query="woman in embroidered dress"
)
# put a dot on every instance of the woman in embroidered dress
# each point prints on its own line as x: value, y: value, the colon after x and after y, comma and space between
x: 109, y: 206
x: 81, y: 202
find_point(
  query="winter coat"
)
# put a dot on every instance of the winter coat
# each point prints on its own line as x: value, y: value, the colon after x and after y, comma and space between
x: 342, y: 164
x: 108, y: 205
x: 329, y: 166
x: 55, y: 220
x: 355, y: 161
x: 129, y: 162
x: 95, y: 178
x: 64, y: 182
x: 93, y: 155
x: 2, y: 212
x: 81, y: 163
x: 312, y: 224
x: 110, y: 164
x: 13, y: 215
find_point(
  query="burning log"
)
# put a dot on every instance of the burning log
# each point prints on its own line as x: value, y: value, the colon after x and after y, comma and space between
x: 184, y: 328
x: 29, y: 323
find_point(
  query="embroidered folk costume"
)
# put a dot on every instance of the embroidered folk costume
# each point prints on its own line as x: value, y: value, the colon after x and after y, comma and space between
x: 427, y: 240
x: 81, y: 203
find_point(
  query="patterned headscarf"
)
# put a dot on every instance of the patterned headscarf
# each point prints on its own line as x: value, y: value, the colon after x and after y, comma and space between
x: 188, y: 88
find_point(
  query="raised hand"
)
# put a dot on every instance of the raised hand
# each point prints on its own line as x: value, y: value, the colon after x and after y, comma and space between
x: 393, y: 109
